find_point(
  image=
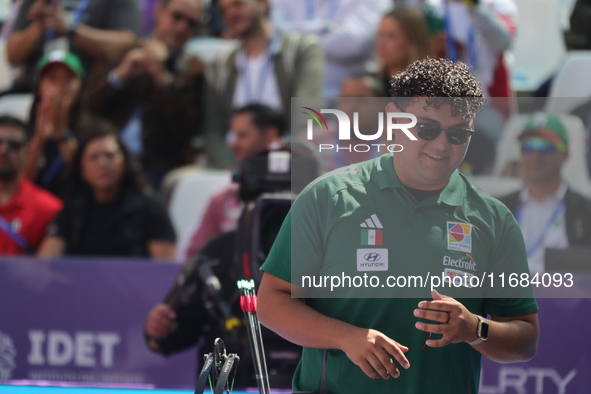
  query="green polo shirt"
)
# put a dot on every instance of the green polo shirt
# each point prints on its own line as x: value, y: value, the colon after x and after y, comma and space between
x: 360, y: 220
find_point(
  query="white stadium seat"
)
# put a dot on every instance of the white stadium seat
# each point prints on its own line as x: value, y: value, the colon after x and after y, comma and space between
x: 17, y: 105
x: 572, y: 85
x: 190, y: 197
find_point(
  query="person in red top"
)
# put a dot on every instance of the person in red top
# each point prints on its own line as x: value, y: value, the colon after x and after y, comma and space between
x: 25, y: 209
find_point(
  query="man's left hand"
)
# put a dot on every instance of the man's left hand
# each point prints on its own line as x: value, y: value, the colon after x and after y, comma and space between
x: 455, y: 322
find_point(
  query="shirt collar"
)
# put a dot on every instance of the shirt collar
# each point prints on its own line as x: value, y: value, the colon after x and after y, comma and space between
x: 19, y: 199
x: 452, y: 194
x: 272, y: 50
x: 560, y: 193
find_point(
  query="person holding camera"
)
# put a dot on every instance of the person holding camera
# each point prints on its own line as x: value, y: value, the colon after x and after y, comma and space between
x: 253, y: 129
x: 169, y: 329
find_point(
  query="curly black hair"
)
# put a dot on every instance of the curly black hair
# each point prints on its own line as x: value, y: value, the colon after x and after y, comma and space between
x: 443, y: 81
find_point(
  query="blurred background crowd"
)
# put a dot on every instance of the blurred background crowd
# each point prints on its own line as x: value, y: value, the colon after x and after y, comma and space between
x: 121, y: 120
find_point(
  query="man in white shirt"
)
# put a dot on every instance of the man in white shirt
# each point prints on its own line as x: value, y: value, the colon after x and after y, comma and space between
x: 549, y: 213
x: 479, y: 32
x: 268, y: 67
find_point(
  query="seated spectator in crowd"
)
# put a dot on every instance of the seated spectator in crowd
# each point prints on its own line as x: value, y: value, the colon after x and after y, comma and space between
x: 346, y: 30
x: 402, y: 38
x: 254, y: 129
x: 549, y: 213
x: 106, y: 212
x: 358, y: 95
x: 579, y: 35
x: 478, y: 33
x: 92, y: 29
x: 25, y: 209
x: 268, y: 67
x: 53, y: 119
x: 155, y: 95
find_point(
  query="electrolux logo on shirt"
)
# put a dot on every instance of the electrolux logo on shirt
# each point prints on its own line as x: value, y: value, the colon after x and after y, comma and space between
x: 344, y: 132
x: 464, y: 262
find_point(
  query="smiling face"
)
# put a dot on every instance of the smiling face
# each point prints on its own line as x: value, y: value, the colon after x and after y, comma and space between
x: 428, y: 165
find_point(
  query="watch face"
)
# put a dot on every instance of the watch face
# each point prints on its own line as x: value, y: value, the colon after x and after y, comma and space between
x: 483, y: 331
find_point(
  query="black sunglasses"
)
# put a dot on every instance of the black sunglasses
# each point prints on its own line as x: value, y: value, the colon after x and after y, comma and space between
x: 455, y: 136
x: 12, y: 144
x: 179, y: 16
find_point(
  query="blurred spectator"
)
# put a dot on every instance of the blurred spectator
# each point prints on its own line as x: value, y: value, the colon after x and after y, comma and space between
x: 25, y: 210
x: 583, y: 111
x: 358, y: 95
x: 155, y: 95
x: 346, y: 30
x: 402, y: 38
x: 268, y: 68
x: 478, y: 33
x: 549, y: 213
x: 579, y: 35
x: 106, y: 212
x: 254, y: 128
x: 92, y: 29
x: 53, y: 119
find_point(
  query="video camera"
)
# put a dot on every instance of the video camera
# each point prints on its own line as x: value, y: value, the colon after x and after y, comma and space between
x: 268, y: 184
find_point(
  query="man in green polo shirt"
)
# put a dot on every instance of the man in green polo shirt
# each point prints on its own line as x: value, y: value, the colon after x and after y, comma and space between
x: 402, y: 216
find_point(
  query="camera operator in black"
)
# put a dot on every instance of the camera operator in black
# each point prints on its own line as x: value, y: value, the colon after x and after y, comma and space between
x: 184, y: 319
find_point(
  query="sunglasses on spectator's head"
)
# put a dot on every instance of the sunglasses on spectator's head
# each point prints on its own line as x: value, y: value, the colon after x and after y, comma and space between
x: 455, y: 136
x: 179, y: 16
x: 541, y: 145
x: 12, y: 144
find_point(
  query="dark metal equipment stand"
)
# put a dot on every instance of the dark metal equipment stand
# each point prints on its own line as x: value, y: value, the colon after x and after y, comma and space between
x: 217, y: 368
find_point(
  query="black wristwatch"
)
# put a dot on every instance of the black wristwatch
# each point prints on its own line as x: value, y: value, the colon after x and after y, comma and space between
x: 481, y: 331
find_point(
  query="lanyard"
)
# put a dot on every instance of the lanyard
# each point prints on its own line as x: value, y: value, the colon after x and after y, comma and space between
x: 16, y: 237
x: 52, y: 171
x: 261, y: 79
x: 471, y: 47
x: 559, y: 208
x: 331, y: 13
x: 50, y: 34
